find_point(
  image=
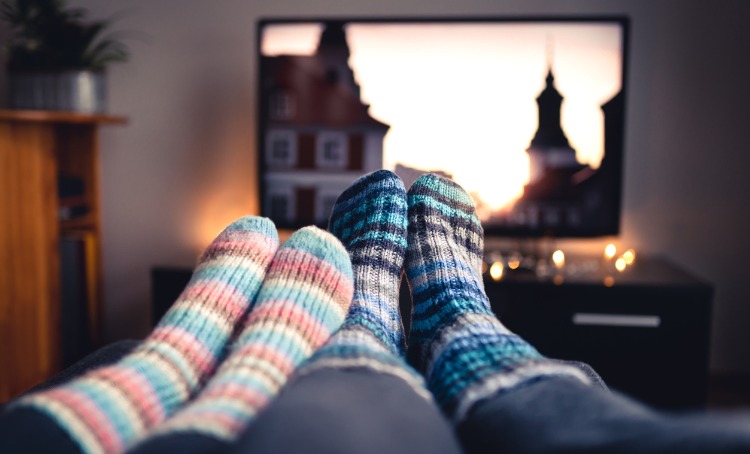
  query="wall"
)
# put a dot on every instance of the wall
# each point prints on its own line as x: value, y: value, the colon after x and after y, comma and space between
x: 185, y: 165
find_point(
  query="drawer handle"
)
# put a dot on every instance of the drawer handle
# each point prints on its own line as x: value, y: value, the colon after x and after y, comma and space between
x: 635, y: 321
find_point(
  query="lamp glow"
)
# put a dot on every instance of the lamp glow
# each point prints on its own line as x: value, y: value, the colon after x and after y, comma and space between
x: 610, y: 250
x: 514, y: 261
x: 496, y: 271
x: 620, y: 264
x: 629, y: 256
x: 558, y: 258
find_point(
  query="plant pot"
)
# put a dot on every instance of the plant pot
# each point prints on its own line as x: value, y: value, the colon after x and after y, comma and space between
x: 72, y: 91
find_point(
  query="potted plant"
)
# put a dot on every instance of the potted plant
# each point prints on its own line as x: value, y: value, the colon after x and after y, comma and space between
x: 56, y: 57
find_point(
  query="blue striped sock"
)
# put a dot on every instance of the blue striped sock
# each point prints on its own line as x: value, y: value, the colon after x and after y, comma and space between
x: 370, y: 220
x: 464, y: 351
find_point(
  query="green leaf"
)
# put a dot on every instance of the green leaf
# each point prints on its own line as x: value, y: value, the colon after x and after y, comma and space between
x: 48, y: 35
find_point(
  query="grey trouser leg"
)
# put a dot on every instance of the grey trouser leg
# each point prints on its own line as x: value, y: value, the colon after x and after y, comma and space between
x: 562, y: 415
x: 349, y: 411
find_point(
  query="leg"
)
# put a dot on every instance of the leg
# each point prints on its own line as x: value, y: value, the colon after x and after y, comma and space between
x: 464, y: 351
x: 304, y: 298
x: 104, y: 356
x: 357, y: 394
x: 370, y: 220
x: 340, y: 411
x: 562, y: 415
x: 502, y: 395
x: 108, y: 409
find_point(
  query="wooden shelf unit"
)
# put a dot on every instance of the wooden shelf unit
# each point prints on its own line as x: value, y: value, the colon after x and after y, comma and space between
x: 36, y: 147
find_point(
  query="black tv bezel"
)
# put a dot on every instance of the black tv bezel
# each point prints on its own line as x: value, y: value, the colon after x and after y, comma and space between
x: 613, y: 227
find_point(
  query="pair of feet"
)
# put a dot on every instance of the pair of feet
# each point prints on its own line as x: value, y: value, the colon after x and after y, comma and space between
x: 277, y: 306
x: 432, y: 232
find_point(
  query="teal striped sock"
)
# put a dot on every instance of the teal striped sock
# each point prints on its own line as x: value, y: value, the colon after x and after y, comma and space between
x: 464, y: 351
x: 304, y: 298
x: 110, y: 408
x: 370, y: 220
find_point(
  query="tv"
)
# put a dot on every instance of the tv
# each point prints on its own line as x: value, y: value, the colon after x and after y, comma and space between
x: 526, y: 113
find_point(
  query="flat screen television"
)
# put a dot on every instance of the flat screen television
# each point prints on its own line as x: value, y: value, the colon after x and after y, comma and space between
x: 526, y: 113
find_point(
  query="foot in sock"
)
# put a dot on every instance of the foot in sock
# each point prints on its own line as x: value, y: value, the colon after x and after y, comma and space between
x: 304, y: 298
x: 464, y: 351
x: 370, y: 220
x: 110, y: 408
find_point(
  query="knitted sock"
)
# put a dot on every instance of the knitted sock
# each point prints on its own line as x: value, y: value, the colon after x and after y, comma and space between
x: 304, y: 298
x: 108, y: 409
x: 370, y: 220
x: 464, y: 351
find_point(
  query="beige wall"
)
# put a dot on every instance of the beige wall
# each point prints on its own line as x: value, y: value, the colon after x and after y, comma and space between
x: 185, y: 166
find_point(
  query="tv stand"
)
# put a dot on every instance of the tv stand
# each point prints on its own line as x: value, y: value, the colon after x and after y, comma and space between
x: 645, y: 330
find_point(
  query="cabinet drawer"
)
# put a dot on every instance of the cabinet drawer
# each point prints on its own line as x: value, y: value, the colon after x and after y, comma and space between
x: 649, y: 342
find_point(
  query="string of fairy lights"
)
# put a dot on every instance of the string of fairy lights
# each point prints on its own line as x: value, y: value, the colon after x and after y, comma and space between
x: 555, y: 266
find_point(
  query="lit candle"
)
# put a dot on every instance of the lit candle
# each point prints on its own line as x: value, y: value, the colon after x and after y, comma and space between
x: 629, y: 256
x: 620, y: 264
x: 514, y: 260
x: 610, y: 250
x: 558, y: 258
x: 496, y: 271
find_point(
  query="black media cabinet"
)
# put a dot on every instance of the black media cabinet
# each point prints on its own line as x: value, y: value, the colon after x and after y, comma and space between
x: 645, y: 330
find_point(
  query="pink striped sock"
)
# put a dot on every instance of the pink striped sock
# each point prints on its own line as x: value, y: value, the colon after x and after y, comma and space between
x: 109, y: 409
x: 304, y: 298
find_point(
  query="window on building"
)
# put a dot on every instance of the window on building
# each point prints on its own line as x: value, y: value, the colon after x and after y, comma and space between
x: 279, y: 207
x: 574, y: 217
x: 281, y: 149
x: 281, y: 106
x: 551, y: 216
x: 332, y: 150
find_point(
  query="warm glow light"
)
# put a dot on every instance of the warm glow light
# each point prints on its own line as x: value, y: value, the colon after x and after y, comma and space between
x: 212, y: 219
x: 558, y: 279
x: 610, y: 251
x: 620, y: 264
x: 496, y: 271
x: 609, y: 281
x: 558, y: 258
x: 514, y: 263
x: 485, y: 267
x: 629, y: 256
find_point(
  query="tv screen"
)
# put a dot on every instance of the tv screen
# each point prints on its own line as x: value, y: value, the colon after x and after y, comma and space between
x: 527, y: 114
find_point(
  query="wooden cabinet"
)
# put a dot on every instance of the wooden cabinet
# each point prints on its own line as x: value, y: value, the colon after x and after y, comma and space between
x: 36, y: 147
